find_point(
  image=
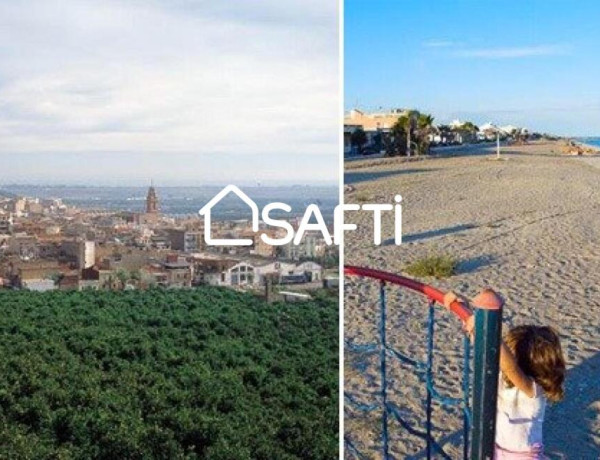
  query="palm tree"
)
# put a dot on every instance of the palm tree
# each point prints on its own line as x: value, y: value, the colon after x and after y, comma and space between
x: 467, y: 132
x: 397, y: 138
x: 411, y: 123
x: 425, y: 127
x: 358, y: 138
x: 412, y: 129
x: 405, y: 126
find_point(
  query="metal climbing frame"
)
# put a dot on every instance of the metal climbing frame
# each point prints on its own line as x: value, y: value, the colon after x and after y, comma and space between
x: 478, y: 422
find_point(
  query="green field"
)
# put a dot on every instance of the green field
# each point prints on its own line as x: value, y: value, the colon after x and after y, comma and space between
x: 203, y: 373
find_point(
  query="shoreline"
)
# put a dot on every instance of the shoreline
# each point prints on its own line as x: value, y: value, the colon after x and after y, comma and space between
x: 472, y: 149
x: 590, y: 146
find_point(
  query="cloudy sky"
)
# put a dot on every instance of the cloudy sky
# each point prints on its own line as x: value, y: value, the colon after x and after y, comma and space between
x: 181, y: 91
x: 530, y: 63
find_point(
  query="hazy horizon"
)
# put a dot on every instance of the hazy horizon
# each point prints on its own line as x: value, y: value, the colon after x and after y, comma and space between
x: 4, y: 185
x: 181, y: 199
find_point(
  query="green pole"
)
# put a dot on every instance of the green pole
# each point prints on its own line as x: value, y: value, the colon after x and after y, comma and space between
x: 488, y: 336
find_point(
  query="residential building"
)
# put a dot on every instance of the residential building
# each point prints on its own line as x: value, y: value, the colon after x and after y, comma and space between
x: 23, y: 245
x: 22, y: 273
x: 90, y: 278
x: 178, y: 270
x: 80, y: 253
x: 311, y: 246
x: 373, y: 124
x: 6, y: 223
x: 185, y: 240
x: 18, y: 206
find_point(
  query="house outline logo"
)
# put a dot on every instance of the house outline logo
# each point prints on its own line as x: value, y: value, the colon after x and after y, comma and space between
x: 206, y: 210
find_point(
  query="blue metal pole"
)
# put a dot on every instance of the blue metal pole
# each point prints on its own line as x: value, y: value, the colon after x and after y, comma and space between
x: 382, y: 358
x: 488, y: 330
x: 430, y: 331
x: 465, y: 389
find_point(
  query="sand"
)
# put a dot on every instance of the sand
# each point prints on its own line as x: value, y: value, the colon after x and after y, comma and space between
x: 529, y: 227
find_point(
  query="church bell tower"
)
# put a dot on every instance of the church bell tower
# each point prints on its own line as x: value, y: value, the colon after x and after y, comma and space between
x: 151, y: 201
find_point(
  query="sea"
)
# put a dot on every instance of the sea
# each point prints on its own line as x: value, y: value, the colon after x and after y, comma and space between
x: 184, y: 201
x: 595, y: 141
x: 592, y: 160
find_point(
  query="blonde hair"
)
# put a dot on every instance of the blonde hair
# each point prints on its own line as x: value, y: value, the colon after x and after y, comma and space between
x: 539, y: 355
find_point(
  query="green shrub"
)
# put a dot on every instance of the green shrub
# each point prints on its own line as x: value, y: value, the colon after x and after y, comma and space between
x: 363, y: 197
x: 438, y: 266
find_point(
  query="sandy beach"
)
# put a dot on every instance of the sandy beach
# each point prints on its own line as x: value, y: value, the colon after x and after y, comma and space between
x: 527, y: 226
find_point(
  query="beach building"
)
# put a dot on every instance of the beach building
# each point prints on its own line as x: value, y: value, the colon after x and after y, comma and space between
x: 510, y: 129
x: 488, y: 131
x: 373, y: 124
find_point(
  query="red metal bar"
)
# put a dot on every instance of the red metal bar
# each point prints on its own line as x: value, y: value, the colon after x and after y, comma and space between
x: 459, y: 309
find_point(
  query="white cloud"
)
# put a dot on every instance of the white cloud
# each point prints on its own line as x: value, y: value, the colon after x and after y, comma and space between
x: 182, y: 76
x: 438, y: 43
x: 513, y: 52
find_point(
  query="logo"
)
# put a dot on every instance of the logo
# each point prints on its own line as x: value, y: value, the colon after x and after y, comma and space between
x: 312, y: 212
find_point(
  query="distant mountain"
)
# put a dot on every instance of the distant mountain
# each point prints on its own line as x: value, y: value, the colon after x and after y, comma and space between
x: 6, y: 194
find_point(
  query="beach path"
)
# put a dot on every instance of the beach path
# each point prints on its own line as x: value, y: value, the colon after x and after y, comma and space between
x: 527, y: 226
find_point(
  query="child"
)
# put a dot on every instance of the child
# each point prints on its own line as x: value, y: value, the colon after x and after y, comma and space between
x: 532, y: 370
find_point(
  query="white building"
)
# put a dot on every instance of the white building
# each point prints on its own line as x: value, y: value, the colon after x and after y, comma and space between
x: 274, y: 270
x: 39, y: 285
x: 239, y: 274
x: 89, y: 257
x: 312, y: 270
x: 227, y: 272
